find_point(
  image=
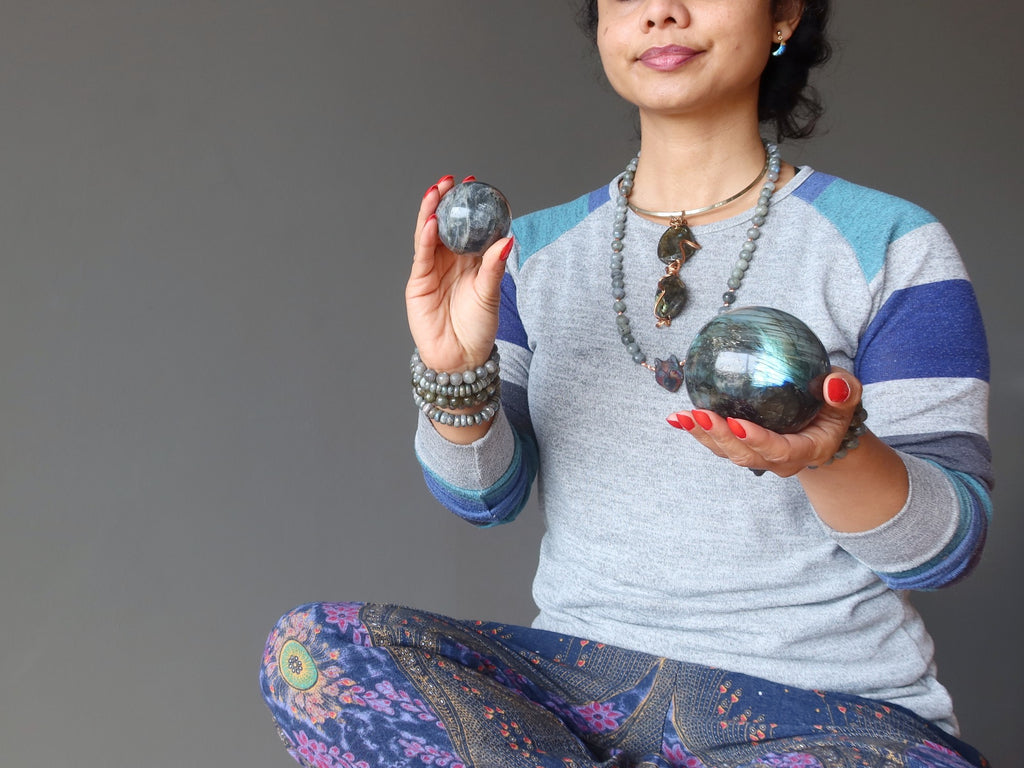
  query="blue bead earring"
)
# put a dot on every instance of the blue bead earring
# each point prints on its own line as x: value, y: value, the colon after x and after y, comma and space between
x: 782, y: 44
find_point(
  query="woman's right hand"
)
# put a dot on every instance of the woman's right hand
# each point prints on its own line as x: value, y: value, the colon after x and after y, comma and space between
x: 452, y: 300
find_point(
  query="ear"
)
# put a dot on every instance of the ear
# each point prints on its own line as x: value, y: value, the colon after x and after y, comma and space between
x: 787, y: 16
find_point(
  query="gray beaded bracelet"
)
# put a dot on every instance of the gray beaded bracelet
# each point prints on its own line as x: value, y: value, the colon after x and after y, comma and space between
x: 437, y: 393
x: 454, y: 403
x: 448, y: 382
x: 455, y: 395
x: 485, y: 414
x: 853, y: 434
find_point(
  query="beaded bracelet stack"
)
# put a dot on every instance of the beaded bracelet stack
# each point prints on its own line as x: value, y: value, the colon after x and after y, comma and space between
x: 853, y: 433
x: 437, y: 393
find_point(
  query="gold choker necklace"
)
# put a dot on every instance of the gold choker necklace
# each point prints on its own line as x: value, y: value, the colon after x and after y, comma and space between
x: 678, y: 244
x: 684, y: 214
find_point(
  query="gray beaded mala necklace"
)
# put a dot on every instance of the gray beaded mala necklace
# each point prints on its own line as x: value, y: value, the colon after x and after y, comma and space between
x: 675, y: 246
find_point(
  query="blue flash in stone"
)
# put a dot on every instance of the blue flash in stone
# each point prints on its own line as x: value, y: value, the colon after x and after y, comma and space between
x: 760, y: 364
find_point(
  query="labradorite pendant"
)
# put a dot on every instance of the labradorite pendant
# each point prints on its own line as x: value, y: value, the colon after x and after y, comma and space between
x: 677, y: 243
x: 669, y: 373
x: 670, y: 299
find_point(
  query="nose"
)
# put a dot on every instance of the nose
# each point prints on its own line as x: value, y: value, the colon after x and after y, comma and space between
x: 666, y: 13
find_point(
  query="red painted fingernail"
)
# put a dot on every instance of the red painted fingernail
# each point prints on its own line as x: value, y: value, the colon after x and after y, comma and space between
x: 469, y: 178
x: 680, y: 421
x: 507, y: 249
x: 703, y: 419
x: 443, y: 179
x: 838, y: 389
x: 433, y: 188
x: 430, y: 218
x: 736, y: 427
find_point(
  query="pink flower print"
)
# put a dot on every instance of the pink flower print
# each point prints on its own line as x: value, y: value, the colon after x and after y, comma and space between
x: 406, y: 702
x: 346, y: 616
x: 315, y: 753
x: 940, y: 748
x: 429, y: 754
x: 791, y: 760
x: 678, y: 757
x: 348, y: 760
x: 349, y: 692
x: 413, y: 748
x: 571, y: 716
x: 600, y: 716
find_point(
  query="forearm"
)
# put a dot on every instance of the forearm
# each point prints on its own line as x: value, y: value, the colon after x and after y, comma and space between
x: 863, y: 490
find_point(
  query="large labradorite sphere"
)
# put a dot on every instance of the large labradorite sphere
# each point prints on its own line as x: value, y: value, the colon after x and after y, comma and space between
x: 760, y: 364
x: 472, y: 217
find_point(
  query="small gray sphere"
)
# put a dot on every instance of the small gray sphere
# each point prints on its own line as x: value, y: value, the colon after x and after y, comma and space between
x: 472, y: 217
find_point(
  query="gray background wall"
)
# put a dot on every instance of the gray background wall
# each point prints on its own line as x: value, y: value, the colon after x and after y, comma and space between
x: 205, y: 221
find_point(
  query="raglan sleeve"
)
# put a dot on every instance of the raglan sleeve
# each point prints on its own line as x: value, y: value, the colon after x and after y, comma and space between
x: 488, y: 482
x: 923, y: 360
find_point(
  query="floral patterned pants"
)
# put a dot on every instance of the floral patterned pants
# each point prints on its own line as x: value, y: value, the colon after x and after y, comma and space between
x: 380, y: 686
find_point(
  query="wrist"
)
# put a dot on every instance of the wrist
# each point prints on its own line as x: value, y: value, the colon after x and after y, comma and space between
x: 851, y: 440
x: 460, y: 398
x: 469, y: 359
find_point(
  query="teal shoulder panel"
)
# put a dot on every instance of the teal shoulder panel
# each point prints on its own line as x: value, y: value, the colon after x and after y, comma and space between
x: 536, y: 230
x: 869, y: 220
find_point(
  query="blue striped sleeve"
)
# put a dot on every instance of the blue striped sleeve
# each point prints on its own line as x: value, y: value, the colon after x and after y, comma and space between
x: 924, y: 353
x: 933, y: 330
x: 963, y: 551
x: 447, y: 473
x: 510, y: 326
x: 501, y: 503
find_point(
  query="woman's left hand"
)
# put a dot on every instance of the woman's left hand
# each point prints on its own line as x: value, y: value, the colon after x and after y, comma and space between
x: 748, y: 445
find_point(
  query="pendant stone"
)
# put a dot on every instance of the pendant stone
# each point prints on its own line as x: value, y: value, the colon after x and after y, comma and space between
x: 677, y: 243
x: 670, y: 300
x: 668, y: 373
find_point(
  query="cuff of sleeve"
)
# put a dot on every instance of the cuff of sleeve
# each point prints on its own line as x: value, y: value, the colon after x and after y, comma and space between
x: 918, y: 532
x: 473, y: 467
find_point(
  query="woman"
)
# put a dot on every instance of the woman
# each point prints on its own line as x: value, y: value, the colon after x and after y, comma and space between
x: 692, y: 612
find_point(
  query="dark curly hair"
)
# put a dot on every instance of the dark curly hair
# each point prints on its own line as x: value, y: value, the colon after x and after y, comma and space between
x: 786, y: 101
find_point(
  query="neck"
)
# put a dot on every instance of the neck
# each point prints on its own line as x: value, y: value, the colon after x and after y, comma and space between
x: 685, y: 165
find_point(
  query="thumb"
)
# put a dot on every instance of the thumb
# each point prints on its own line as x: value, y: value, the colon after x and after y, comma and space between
x: 842, y: 390
x: 492, y: 269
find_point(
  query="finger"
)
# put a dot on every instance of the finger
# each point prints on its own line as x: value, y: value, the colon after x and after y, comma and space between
x: 700, y: 424
x: 431, y: 198
x: 763, y: 447
x: 681, y: 420
x: 842, y: 389
x: 492, y: 270
x: 425, y: 249
x: 445, y: 183
x: 741, y: 442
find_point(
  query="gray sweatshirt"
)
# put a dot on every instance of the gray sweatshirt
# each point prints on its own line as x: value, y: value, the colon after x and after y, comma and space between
x: 655, y: 544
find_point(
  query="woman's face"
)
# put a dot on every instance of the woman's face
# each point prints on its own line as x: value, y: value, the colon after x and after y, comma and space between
x: 687, y: 56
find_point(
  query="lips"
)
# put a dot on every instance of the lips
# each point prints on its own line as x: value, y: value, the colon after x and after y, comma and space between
x: 668, y: 57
